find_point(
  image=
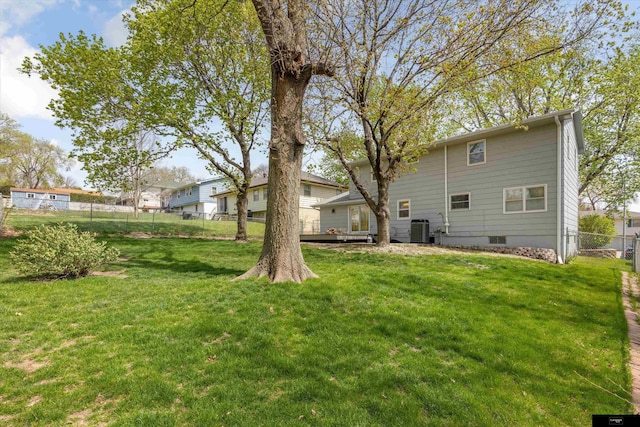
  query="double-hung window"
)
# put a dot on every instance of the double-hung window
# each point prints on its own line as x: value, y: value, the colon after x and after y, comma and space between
x: 476, y: 153
x: 525, y: 199
x: 404, y: 209
x: 256, y: 195
x: 306, y: 188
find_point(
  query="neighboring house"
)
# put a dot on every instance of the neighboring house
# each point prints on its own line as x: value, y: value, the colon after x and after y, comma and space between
x: 29, y: 198
x: 313, y: 190
x: 504, y: 186
x: 632, y: 226
x: 154, y: 197
x: 196, y: 198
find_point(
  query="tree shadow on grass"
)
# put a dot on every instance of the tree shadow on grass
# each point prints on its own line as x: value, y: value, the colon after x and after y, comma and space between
x: 179, y: 266
x: 179, y: 263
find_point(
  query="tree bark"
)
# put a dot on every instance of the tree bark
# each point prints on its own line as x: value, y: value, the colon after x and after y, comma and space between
x: 242, y: 206
x: 383, y: 214
x: 281, y: 258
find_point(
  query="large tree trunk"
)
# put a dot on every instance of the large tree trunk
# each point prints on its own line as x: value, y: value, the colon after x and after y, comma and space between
x: 281, y: 259
x: 383, y: 214
x: 242, y: 206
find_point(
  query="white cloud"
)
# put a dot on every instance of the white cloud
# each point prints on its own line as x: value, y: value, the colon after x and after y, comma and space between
x: 21, y: 96
x: 114, y: 32
x: 19, y: 12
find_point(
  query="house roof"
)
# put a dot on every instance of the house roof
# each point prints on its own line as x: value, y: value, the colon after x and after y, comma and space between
x: 40, y: 190
x: 305, y: 177
x: 166, y: 185
x: 197, y: 183
x: 340, y: 200
x: 78, y: 191
x: 533, y: 121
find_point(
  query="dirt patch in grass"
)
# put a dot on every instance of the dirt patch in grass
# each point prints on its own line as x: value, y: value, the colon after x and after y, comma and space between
x: 117, y: 274
x: 393, y: 249
x: 101, y: 406
x: 27, y: 365
x: 9, y: 232
x: 34, y: 400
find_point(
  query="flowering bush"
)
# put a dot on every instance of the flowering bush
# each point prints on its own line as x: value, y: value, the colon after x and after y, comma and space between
x: 60, y: 251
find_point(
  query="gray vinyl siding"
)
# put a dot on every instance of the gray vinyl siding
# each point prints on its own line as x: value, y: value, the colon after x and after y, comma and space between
x: 424, y: 188
x: 570, y: 186
x: 531, y: 161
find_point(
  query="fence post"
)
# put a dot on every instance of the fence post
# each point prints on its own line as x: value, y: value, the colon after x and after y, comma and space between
x: 636, y: 254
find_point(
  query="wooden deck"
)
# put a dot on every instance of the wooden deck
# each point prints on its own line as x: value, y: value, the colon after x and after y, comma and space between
x: 327, y: 238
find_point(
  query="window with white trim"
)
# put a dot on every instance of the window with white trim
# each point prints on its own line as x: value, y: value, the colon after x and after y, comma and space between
x: 525, y: 199
x: 214, y: 190
x: 404, y: 209
x: 461, y: 201
x: 306, y: 188
x: 476, y: 153
x: 31, y: 196
x: 52, y: 196
x: 265, y: 193
x: 633, y: 222
x: 256, y: 195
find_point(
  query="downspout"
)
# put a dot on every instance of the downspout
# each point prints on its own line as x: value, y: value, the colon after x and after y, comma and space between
x: 559, y: 254
x: 446, y: 193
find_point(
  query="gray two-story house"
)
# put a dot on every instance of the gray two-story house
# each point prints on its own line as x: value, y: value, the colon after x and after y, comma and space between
x: 195, y: 198
x: 513, y: 186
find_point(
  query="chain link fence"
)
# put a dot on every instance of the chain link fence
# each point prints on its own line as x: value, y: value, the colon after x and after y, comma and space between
x: 186, y: 224
x: 605, y: 246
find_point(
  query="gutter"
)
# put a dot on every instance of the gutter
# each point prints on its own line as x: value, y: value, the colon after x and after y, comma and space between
x: 559, y: 192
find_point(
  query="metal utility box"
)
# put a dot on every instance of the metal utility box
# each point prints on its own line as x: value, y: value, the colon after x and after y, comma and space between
x: 419, y: 231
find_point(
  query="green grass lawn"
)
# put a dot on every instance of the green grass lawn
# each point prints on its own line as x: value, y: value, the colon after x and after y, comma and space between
x: 377, y: 340
x: 122, y: 223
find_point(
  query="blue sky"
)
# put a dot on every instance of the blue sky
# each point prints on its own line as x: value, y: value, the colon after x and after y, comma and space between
x: 27, y: 24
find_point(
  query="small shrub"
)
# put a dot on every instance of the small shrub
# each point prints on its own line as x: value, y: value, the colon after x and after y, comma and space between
x: 597, y: 224
x: 60, y: 251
